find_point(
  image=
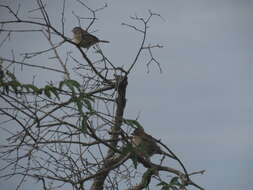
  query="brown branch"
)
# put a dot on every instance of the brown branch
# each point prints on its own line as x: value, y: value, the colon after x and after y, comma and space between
x: 110, y: 164
x: 92, y: 66
x: 115, y: 131
x: 146, y: 178
x: 184, y: 178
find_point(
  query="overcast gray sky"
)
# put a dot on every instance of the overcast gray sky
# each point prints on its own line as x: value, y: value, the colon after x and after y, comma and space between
x: 201, y: 105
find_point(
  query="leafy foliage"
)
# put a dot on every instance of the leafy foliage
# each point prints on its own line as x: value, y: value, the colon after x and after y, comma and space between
x: 132, y: 123
x: 174, y: 184
x: 9, y: 82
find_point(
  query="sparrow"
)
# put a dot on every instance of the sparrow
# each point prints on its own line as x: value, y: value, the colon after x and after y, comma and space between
x: 145, y: 143
x: 84, y: 39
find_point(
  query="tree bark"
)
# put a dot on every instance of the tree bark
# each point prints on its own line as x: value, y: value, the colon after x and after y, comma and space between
x: 121, y: 85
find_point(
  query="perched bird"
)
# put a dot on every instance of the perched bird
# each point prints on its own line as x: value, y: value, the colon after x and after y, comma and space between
x: 84, y: 39
x: 145, y: 143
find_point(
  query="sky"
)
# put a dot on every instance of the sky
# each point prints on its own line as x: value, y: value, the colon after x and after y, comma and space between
x: 201, y: 105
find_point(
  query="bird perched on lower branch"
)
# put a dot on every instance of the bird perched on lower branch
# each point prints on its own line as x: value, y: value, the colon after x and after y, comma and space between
x: 84, y: 39
x: 145, y: 144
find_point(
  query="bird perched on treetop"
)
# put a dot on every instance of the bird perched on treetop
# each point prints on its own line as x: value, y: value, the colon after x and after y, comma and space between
x: 84, y: 39
x: 145, y: 144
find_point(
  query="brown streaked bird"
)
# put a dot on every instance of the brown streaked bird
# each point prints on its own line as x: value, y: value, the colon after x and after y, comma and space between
x: 84, y: 39
x: 145, y: 143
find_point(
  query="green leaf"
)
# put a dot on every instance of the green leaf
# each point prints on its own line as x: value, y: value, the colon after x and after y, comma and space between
x: 61, y: 84
x: 6, y: 89
x: 54, y: 90
x: 40, y: 91
x: 86, y: 96
x: 88, y: 104
x: 165, y: 186
x: 133, y: 123
x: 81, y: 101
x: 174, y: 181
x: 134, y: 158
x: 14, y: 85
x: 47, y: 90
x: 71, y: 84
x: 2, y: 75
x: 83, y: 127
x: 147, y: 175
x: 79, y: 106
x: 11, y: 75
x: 92, y: 112
x: 31, y: 88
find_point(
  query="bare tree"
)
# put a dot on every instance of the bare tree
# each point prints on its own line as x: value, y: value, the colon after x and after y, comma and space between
x: 72, y: 130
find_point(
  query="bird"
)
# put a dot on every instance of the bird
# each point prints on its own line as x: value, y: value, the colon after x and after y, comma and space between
x: 84, y: 39
x: 144, y: 143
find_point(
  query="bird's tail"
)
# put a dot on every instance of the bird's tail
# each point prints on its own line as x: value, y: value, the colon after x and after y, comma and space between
x: 104, y: 41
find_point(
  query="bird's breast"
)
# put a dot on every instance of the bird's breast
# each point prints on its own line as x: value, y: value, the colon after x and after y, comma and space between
x: 77, y: 38
x: 136, y: 140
